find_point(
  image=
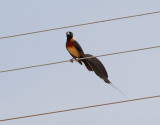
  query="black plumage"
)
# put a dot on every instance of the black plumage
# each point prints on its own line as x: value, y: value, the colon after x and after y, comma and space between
x: 100, y: 70
x: 98, y: 67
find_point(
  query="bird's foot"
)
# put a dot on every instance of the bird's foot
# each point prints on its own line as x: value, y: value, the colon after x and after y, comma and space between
x: 74, y: 59
x: 71, y: 60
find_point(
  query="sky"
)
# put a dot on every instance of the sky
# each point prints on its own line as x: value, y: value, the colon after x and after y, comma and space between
x: 70, y: 85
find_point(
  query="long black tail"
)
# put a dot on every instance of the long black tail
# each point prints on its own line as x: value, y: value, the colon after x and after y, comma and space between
x: 117, y: 89
x: 100, y: 70
x: 87, y: 64
x: 97, y: 67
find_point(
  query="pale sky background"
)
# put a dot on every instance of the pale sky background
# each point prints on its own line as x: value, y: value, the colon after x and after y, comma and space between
x: 67, y: 85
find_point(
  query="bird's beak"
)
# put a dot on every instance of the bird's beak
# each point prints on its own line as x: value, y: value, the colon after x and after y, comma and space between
x: 67, y: 33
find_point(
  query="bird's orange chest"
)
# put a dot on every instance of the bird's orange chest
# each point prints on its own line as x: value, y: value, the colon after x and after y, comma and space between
x: 72, y: 49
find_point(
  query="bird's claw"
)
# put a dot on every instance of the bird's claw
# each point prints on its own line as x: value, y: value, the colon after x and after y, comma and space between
x: 74, y: 59
x: 71, y: 60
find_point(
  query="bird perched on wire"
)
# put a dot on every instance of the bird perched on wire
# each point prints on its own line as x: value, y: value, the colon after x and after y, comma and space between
x: 75, y: 50
x: 91, y: 62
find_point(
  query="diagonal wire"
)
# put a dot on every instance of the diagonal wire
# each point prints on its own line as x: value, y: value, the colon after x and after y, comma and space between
x: 116, y: 53
x: 86, y: 107
x: 78, y: 25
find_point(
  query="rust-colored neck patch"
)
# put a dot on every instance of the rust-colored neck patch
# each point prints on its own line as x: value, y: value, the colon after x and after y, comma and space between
x: 72, y: 40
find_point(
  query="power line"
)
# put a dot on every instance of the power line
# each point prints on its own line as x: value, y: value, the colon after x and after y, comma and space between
x: 116, y: 53
x: 86, y: 107
x: 77, y: 25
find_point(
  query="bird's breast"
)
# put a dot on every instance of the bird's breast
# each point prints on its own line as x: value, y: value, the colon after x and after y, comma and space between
x: 71, y: 48
x: 73, y: 51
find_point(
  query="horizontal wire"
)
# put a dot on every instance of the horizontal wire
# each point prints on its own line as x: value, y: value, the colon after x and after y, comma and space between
x: 77, y: 25
x: 86, y: 107
x: 116, y: 53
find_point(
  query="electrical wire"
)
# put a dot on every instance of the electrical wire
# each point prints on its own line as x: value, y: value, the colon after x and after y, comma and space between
x: 78, y: 25
x: 86, y: 107
x: 116, y: 53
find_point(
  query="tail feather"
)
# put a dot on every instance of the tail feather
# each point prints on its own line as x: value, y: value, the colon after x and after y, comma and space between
x: 100, y: 71
x: 97, y: 67
x: 117, y: 89
x: 88, y: 66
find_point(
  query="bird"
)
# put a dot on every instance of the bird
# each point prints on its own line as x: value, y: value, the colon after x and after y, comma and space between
x: 91, y: 62
x: 75, y: 50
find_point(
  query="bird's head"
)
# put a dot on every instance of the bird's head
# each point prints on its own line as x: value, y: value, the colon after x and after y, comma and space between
x: 69, y: 35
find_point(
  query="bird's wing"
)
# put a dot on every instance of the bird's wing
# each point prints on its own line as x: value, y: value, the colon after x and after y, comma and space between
x: 78, y: 47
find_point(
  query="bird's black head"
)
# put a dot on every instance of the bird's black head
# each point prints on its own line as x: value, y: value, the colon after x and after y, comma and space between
x: 69, y: 35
